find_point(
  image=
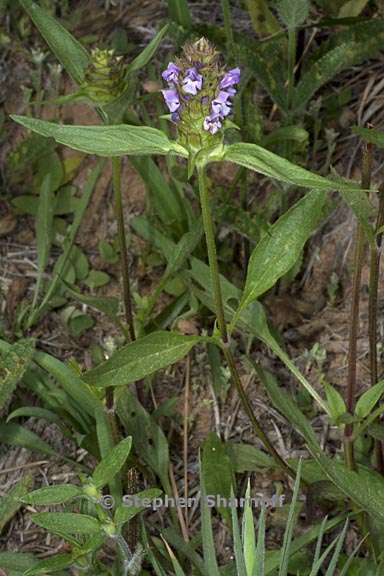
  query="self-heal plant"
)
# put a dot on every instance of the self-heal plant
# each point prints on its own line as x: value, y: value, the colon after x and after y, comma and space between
x: 200, y: 95
x: 200, y: 99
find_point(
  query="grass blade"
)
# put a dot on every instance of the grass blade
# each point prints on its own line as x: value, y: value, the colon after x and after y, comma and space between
x: 249, y: 538
x: 237, y: 545
x: 259, y: 565
x: 209, y: 552
x: 285, y: 553
x: 340, y: 541
x: 44, y: 227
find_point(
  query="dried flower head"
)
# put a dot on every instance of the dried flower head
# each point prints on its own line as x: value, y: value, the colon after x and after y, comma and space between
x: 199, y: 94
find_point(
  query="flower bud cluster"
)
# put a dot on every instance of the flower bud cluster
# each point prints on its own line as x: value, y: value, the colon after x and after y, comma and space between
x: 199, y: 94
x: 104, y: 79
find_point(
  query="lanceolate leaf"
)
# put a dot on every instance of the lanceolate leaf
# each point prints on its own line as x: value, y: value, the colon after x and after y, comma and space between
x: 16, y: 435
x: 72, y: 55
x: 111, y: 465
x: 144, y: 57
x: 365, y: 487
x: 279, y: 248
x: 52, y: 495
x: 67, y: 523
x: 358, y: 42
x: 125, y: 513
x: 263, y: 21
x: 352, y: 8
x: 119, y: 140
x: 361, y: 206
x: 217, y: 470
x: 83, y: 395
x: 141, y: 358
x: 256, y: 158
x: 369, y: 399
x: 10, y: 503
x: 17, y: 562
x: 53, y: 565
x: 148, y: 438
x: 373, y: 136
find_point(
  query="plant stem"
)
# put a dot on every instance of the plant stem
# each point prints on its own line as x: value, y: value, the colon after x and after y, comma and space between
x: 127, y: 297
x: 212, y: 256
x: 227, y: 22
x: 215, y: 278
x: 355, y: 308
x: 375, y: 251
x: 291, y: 66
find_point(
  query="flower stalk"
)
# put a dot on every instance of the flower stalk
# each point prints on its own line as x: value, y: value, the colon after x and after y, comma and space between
x: 220, y: 315
x: 118, y: 204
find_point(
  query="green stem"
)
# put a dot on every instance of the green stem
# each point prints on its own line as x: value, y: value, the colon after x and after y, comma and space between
x: 215, y: 278
x: 355, y: 309
x: 127, y: 297
x: 375, y: 250
x: 227, y: 21
x: 211, y: 249
x: 291, y: 67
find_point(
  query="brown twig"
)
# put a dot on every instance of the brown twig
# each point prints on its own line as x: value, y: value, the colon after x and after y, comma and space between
x: 355, y: 309
x: 180, y: 516
x: 374, y: 271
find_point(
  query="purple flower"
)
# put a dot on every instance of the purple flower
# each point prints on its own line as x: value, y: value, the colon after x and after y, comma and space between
x: 230, y: 78
x: 171, y: 74
x: 221, y: 105
x: 171, y: 98
x: 192, y: 82
x: 212, y: 123
x: 175, y: 117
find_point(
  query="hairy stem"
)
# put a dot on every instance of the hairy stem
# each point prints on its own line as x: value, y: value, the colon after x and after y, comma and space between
x: 355, y: 309
x: 375, y: 252
x: 127, y: 297
x: 215, y: 278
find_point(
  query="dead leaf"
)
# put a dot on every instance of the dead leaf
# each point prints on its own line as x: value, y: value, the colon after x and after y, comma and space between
x: 7, y: 224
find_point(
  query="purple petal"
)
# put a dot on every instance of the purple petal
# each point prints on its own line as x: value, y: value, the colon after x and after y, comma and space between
x: 230, y: 78
x: 171, y: 73
x: 221, y: 105
x: 212, y: 123
x: 171, y: 98
x: 192, y: 82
